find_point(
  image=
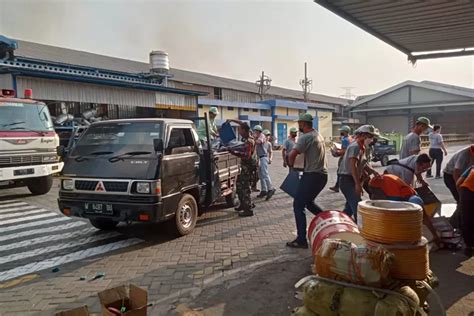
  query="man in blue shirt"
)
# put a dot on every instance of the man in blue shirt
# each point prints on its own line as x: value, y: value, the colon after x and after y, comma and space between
x: 346, y: 140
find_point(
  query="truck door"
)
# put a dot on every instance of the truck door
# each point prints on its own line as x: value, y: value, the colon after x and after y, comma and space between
x: 180, y: 166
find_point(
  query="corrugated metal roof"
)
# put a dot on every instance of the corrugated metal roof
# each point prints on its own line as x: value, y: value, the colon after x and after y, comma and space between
x: 413, y: 26
x: 436, y: 86
x: 81, y: 58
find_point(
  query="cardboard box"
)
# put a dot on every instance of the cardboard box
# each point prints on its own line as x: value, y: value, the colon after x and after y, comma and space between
x: 133, y: 298
x: 81, y: 311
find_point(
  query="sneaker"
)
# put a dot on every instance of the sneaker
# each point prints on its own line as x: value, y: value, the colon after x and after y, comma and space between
x: 296, y: 244
x: 438, y: 177
x: 270, y: 194
x: 262, y: 194
x: 240, y: 208
x: 429, y: 176
x: 255, y: 190
x: 247, y: 213
x: 334, y: 189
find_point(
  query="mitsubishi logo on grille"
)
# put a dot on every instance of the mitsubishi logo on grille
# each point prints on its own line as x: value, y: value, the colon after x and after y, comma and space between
x: 100, y: 187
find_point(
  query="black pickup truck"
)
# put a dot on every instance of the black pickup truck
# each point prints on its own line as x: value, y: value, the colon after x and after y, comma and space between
x: 145, y: 170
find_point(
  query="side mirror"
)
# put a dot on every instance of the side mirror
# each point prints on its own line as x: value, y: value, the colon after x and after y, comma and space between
x: 61, y: 151
x: 158, y: 145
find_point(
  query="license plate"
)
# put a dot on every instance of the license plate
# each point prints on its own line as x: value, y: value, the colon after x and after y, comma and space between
x: 99, y: 208
x: 23, y: 172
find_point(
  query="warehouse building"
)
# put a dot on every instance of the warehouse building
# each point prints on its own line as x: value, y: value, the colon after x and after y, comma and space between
x: 120, y: 88
x: 395, y: 109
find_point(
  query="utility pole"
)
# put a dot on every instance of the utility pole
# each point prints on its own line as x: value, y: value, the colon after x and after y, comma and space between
x: 348, y: 95
x: 263, y: 84
x: 306, y: 84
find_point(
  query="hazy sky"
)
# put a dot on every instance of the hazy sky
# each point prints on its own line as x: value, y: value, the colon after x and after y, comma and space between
x: 236, y: 39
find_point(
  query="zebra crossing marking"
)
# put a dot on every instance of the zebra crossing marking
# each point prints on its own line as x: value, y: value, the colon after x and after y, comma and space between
x: 23, y: 235
x: 75, y: 256
x: 28, y: 218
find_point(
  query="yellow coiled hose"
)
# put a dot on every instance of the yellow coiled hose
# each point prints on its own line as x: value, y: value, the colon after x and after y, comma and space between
x: 390, y: 222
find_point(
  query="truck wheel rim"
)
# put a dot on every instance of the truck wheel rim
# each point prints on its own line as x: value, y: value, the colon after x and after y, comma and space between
x: 185, y: 216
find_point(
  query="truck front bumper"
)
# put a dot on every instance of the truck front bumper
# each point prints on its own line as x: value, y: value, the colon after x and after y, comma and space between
x: 122, y: 211
x: 33, y: 171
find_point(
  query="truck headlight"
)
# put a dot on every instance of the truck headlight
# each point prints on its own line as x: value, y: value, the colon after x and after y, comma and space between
x: 50, y: 158
x: 143, y: 187
x: 68, y: 184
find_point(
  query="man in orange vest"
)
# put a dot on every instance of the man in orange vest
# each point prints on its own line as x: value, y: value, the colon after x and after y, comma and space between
x: 391, y: 187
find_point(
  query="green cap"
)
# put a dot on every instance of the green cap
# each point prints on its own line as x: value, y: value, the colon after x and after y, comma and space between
x: 214, y: 110
x: 424, y: 120
x: 345, y: 128
x: 258, y: 128
x: 266, y: 132
x: 293, y: 130
x: 305, y: 117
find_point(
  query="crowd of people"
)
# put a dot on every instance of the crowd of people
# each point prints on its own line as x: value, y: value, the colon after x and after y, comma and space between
x: 355, y: 173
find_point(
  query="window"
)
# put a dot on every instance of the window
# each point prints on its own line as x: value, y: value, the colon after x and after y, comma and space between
x: 254, y: 110
x: 230, y: 108
x: 200, y: 106
x: 246, y: 110
x: 218, y: 93
x: 181, y: 141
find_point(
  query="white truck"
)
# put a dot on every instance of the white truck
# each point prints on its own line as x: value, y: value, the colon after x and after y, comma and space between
x: 28, y: 142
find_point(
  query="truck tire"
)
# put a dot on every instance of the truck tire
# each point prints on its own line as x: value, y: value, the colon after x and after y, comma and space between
x: 40, y: 185
x: 384, y: 160
x: 103, y: 223
x: 185, y: 217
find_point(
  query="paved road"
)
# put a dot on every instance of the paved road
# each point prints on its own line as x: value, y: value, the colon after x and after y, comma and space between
x: 35, y: 239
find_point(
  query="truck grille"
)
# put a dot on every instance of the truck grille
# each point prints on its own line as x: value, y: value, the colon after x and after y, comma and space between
x: 110, y: 186
x: 85, y: 185
x: 114, y: 186
x: 15, y: 160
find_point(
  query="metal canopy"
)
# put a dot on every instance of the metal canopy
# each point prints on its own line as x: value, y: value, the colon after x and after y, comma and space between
x: 420, y: 29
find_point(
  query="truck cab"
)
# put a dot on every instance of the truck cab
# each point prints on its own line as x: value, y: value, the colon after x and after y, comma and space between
x: 27, y: 143
x: 144, y: 170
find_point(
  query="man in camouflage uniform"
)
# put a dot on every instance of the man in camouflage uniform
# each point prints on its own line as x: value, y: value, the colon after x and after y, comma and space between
x: 247, y: 165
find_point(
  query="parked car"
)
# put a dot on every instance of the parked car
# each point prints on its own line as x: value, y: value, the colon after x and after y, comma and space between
x: 383, y: 148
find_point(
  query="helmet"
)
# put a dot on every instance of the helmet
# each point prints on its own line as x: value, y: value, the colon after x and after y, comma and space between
x: 258, y: 128
x: 345, y: 128
x: 293, y: 130
x: 214, y: 110
x: 424, y: 120
x: 266, y: 132
x: 305, y: 117
x: 369, y: 129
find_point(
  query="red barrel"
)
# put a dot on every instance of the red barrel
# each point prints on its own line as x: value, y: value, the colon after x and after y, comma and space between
x: 332, y: 224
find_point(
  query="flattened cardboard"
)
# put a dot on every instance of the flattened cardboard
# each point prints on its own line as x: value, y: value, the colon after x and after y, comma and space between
x: 134, y: 298
x: 80, y: 311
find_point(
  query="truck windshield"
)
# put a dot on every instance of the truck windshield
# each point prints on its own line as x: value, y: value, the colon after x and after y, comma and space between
x: 118, y: 138
x: 25, y: 117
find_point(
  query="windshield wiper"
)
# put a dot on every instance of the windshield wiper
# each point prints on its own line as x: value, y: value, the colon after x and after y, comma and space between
x: 95, y: 153
x: 15, y: 123
x: 128, y: 154
x: 41, y: 133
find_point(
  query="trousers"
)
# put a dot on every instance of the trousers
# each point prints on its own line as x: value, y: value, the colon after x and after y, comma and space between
x: 437, y: 155
x: 347, y: 185
x: 265, y: 181
x: 243, y: 186
x: 309, y: 186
